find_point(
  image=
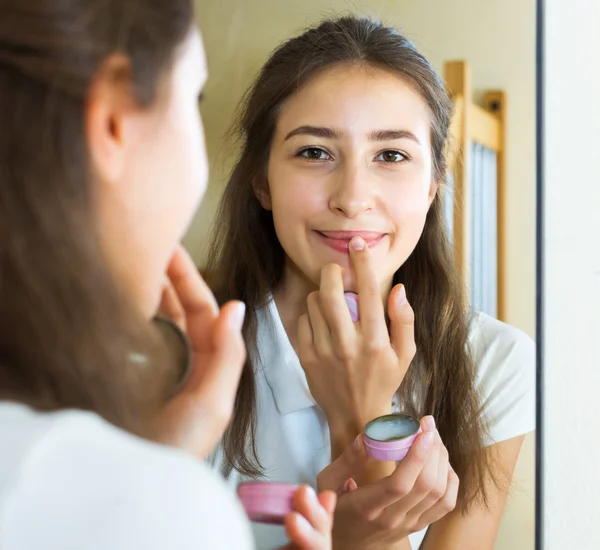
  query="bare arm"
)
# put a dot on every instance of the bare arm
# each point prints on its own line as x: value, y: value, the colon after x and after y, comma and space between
x: 478, y: 529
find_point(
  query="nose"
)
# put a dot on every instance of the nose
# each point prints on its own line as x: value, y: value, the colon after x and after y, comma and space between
x: 353, y: 193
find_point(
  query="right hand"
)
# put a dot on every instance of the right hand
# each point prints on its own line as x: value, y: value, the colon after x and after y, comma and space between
x: 422, y: 490
x: 309, y: 526
x: 197, y: 416
x: 353, y: 370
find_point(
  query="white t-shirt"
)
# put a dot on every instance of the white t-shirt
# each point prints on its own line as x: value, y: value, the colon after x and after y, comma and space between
x: 70, y: 481
x: 292, y: 433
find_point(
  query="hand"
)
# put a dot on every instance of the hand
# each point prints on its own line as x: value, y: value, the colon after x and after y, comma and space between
x: 354, y: 369
x: 422, y: 489
x: 309, y: 527
x: 196, y: 418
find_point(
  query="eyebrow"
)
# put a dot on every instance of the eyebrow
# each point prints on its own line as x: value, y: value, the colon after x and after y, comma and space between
x: 332, y: 133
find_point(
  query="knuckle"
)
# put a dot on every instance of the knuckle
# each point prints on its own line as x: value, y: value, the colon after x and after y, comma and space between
x: 409, y: 351
x: 454, y: 478
x: 372, y: 288
x: 437, y: 493
x: 425, y: 483
x: 445, y: 454
x: 409, y: 315
x: 449, y: 503
x: 345, y: 352
x: 388, y: 522
x: 367, y: 516
x: 328, y: 298
x: 399, y: 489
x: 373, y: 347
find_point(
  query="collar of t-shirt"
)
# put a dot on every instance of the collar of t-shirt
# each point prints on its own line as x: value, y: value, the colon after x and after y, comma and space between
x: 280, y: 365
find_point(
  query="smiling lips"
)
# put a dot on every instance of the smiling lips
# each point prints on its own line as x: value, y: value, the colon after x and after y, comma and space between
x: 340, y: 240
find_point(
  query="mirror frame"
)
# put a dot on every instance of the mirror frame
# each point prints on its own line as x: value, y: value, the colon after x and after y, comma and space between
x: 539, y: 283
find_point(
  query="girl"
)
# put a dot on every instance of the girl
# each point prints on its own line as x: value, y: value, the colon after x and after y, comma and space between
x: 98, y: 111
x: 337, y: 189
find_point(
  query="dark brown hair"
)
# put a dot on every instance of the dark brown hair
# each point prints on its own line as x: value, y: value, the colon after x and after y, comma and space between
x: 247, y: 260
x: 67, y: 331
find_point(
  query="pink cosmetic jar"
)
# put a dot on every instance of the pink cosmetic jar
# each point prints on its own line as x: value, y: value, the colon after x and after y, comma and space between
x: 266, y: 502
x: 389, y: 437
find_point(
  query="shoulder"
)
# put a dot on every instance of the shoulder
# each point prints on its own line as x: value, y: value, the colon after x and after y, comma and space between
x: 505, y: 363
x: 127, y: 492
x: 493, y: 342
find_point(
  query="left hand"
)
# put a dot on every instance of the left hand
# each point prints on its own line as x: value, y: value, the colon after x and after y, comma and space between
x: 197, y: 416
x: 422, y: 489
x: 354, y: 369
x: 309, y: 526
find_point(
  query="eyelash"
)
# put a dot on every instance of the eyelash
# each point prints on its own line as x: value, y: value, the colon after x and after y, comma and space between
x: 302, y: 152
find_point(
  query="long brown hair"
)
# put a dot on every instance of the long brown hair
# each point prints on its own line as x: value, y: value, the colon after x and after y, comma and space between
x: 246, y: 260
x: 69, y: 337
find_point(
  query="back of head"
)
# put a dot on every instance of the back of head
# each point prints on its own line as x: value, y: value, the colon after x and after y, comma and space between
x: 66, y: 327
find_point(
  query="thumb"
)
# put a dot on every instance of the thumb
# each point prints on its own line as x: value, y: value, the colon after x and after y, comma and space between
x: 402, y: 319
x: 351, y: 461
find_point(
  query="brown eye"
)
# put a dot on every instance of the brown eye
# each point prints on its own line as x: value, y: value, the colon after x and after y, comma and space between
x: 314, y: 153
x: 391, y: 156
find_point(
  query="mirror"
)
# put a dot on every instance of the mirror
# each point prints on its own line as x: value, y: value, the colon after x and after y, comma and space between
x: 485, y: 54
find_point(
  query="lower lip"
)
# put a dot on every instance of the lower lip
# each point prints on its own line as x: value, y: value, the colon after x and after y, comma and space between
x: 342, y: 245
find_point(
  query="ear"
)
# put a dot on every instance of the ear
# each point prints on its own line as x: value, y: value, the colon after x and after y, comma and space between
x: 109, y: 101
x: 263, y: 194
x: 433, y: 189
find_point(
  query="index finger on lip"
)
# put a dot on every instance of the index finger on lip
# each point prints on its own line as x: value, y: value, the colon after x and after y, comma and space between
x: 370, y: 303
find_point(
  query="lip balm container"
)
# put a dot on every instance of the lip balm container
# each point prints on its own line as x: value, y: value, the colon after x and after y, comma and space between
x: 267, y: 502
x: 390, y: 437
x: 352, y: 303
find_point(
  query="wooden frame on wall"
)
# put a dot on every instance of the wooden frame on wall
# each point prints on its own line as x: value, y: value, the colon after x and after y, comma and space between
x: 472, y: 123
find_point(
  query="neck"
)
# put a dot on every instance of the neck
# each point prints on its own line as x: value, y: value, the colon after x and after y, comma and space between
x: 290, y: 298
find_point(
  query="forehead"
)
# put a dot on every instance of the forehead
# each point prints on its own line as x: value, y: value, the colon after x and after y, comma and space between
x: 357, y: 99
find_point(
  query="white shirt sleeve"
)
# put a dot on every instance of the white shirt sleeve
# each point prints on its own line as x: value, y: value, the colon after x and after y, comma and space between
x: 88, y: 486
x: 505, y: 362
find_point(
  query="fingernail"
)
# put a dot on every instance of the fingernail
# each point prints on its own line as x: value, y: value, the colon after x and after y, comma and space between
x: 346, y: 487
x: 427, y: 440
x: 312, y: 496
x: 429, y: 423
x: 401, y: 296
x: 237, y: 316
x: 357, y: 243
x: 349, y: 486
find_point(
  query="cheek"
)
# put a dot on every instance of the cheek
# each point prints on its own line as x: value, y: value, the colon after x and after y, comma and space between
x: 295, y: 198
x: 408, y: 213
x: 408, y: 204
x: 190, y: 158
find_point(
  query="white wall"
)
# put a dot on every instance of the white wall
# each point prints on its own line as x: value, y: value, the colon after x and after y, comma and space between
x: 572, y: 275
x: 497, y: 37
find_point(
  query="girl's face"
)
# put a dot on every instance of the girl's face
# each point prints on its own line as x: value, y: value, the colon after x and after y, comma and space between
x: 351, y: 155
x: 152, y: 169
